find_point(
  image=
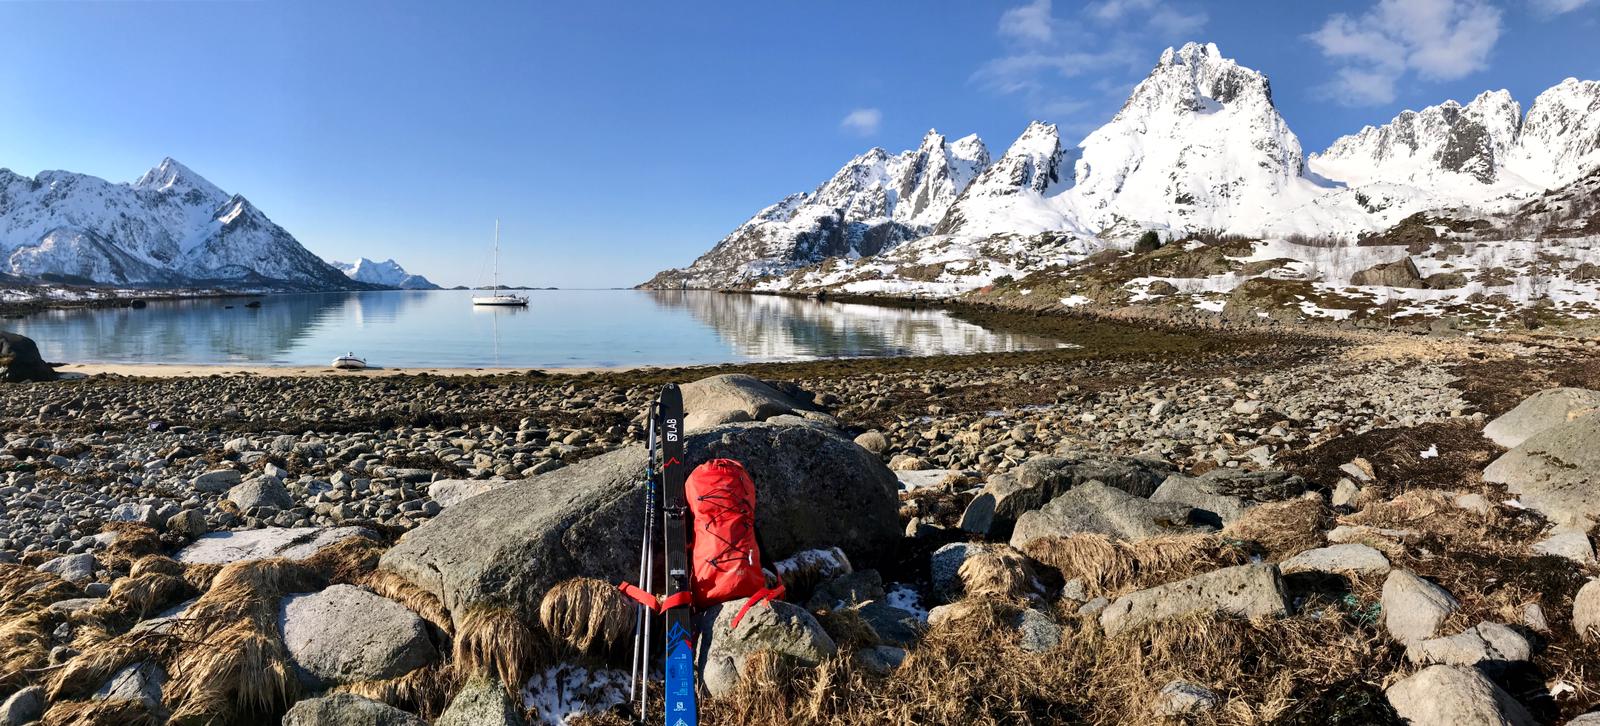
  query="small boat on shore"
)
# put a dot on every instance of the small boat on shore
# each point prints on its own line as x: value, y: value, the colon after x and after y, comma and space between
x: 349, y: 362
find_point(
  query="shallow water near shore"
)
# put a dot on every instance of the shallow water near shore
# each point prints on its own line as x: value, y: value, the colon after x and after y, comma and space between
x: 558, y: 329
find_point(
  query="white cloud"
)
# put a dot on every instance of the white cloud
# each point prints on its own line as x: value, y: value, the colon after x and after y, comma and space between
x: 1436, y: 40
x: 1558, y: 7
x: 1029, y: 23
x: 862, y: 121
x: 1106, y: 39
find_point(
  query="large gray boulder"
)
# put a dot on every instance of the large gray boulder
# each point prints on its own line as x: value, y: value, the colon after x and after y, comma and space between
x: 1555, y: 472
x: 481, y: 702
x: 773, y: 626
x: 1413, y: 608
x: 814, y: 488
x: 1446, y: 695
x: 1225, y: 494
x: 450, y: 492
x: 731, y: 398
x: 1097, y: 508
x: 345, y: 634
x: 1007, y: 495
x: 346, y: 709
x: 20, y: 360
x: 1545, y: 409
x: 217, y: 480
x: 1586, y: 610
x: 1250, y: 591
x: 295, y: 543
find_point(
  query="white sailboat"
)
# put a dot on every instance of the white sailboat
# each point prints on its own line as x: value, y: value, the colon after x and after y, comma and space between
x: 495, y: 296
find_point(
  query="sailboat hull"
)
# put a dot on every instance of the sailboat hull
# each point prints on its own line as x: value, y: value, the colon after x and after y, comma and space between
x: 502, y: 300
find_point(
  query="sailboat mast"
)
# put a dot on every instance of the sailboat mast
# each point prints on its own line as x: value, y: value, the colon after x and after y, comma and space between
x: 497, y: 257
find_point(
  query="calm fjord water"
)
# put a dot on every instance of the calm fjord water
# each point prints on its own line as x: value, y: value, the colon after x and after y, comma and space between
x: 559, y: 328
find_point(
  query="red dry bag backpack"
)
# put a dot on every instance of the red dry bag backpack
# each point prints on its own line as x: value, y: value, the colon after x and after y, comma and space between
x: 727, y: 562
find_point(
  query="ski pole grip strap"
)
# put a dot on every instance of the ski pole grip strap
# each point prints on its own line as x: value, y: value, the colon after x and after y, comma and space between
x: 761, y: 595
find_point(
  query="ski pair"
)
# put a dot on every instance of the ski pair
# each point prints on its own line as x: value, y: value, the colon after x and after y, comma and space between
x: 665, y: 568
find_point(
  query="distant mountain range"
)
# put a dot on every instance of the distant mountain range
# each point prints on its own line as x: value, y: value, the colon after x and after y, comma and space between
x: 1199, y: 148
x: 170, y: 228
x: 387, y: 273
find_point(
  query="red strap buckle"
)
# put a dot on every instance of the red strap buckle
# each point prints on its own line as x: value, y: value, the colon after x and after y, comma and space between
x: 653, y: 603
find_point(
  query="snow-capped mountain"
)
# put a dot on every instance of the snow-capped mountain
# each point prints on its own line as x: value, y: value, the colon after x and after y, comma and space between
x: 1198, y: 148
x: 171, y: 227
x: 1475, y: 141
x: 874, y: 202
x: 387, y: 273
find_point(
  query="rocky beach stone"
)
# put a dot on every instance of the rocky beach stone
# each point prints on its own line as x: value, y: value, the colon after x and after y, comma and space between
x: 1414, y: 608
x: 1445, y: 695
x: 1539, y: 412
x: 1345, y: 559
x: 346, y: 709
x: 217, y: 480
x: 77, y: 569
x: 1250, y: 591
x: 1182, y: 698
x: 1569, y: 542
x: 295, y: 543
x: 345, y: 634
x: 1225, y: 494
x: 481, y: 702
x: 731, y: 398
x: 261, y: 491
x: 1093, y: 507
x: 20, y: 360
x: 775, y: 627
x: 1006, y: 496
x: 1484, y: 643
x: 23, y: 707
x: 526, y: 536
x: 1586, y: 611
x: 1555, y: 472
x: 139, y: 682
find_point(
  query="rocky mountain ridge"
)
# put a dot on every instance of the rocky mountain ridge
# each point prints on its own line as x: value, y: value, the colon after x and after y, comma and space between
x: 387, y: 273
x: 169, y: 228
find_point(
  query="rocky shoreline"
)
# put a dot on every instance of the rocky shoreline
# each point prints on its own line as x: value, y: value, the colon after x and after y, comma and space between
x: 1239, y: 448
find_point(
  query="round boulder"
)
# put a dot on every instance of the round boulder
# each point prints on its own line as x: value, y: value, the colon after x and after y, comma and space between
x: 20, y: 360
x: 773, y: 626
x: 345, y: 634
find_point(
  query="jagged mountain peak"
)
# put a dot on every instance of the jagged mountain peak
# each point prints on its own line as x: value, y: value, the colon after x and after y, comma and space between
x: 171, y: 175
x: 1196, y: 78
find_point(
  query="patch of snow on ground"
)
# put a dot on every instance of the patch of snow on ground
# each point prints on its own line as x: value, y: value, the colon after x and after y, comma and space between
x: 1075, y: 300
x: 1211, y: 306
x: 902, y: 596
x: 564, y: 692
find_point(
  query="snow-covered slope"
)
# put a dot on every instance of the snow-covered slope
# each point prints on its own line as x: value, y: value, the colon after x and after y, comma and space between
x: 1560, y: 139
x: 170, y: 227
x: 874, y: 202
x: 387, y: 273
x: 1015, y: 194
x: 1448, y: 143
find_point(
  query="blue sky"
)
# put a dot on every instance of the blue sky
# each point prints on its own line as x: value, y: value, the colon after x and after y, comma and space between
x: 617, y: 138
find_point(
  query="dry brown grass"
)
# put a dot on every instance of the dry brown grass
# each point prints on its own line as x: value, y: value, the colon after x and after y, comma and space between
x: 97, y: 663
x: 24, y: 647
x: 157, y: 564
x: 998, y: 571
x: 494, y: 642
x: 588, y: 615
x: 970, y: 671
x: 847, y: 628
x: 24, y: 589
x: 425, y: 604
x: 148, y: 592
x: 233, y: 662
x: 133, y: 541
x: 347, y: 561
x: 425, y: 691
x: 1282, y: 529
x: 99, y: 713
x: 1112, y: 567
